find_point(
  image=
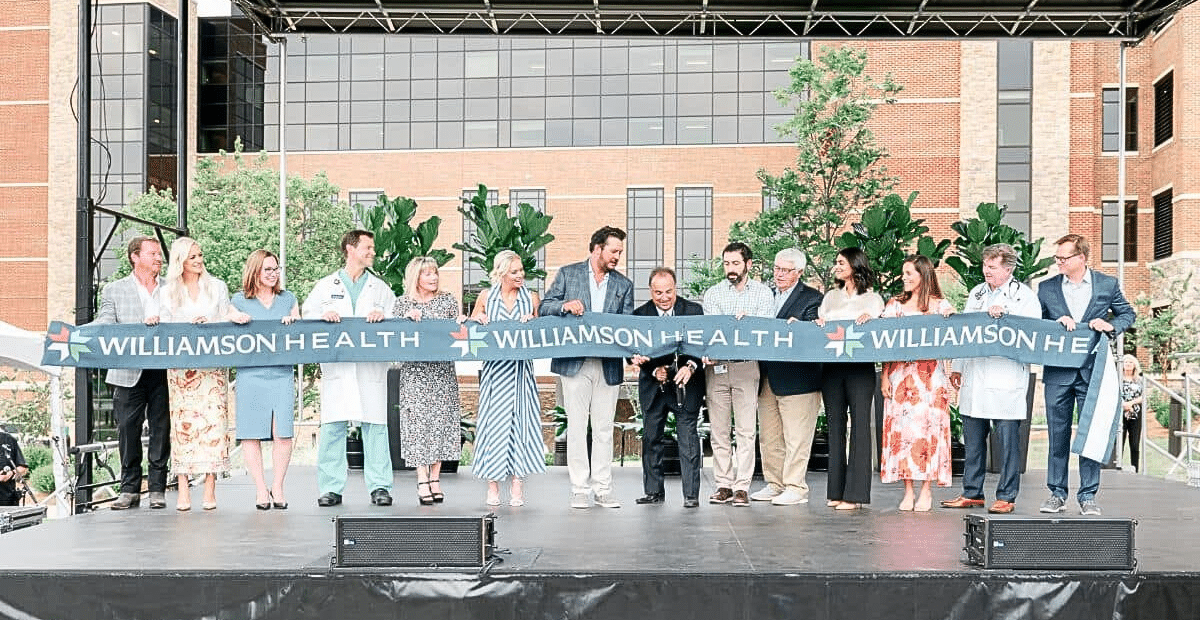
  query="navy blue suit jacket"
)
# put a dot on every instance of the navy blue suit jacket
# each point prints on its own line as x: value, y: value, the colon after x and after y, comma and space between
x: 1108, y: 303
x: 571, y: 282
x: 648, y: 387
x: 790, y: 378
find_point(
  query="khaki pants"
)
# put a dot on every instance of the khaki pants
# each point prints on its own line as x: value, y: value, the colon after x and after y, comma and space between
x: 588, y: 398
x: 786, y: 426
x: 732, y: 406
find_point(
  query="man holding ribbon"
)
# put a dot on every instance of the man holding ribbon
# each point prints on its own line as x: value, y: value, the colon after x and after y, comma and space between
x: 1077, y: 296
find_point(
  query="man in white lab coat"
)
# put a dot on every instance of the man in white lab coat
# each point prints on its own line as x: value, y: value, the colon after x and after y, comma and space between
x: 353, y: 392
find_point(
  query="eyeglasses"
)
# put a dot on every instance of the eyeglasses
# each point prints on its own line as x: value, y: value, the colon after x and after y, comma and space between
x: 1063, y: 259
x: 779, y: 269
x: 270, y: 269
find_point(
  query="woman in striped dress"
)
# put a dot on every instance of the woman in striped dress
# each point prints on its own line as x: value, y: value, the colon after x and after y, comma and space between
x: 508, y: 439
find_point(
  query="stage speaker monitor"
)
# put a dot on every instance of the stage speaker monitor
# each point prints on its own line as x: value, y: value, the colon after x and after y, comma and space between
x: 428, y: 542
x: 1050, y: 543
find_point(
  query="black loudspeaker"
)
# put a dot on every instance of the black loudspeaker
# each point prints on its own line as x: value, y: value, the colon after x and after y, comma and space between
x: 17, y: 517
x: 1050, y: 543
x: 429, y: 542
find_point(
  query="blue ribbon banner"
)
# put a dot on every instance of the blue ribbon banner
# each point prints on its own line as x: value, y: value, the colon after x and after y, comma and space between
x: 261, y: 343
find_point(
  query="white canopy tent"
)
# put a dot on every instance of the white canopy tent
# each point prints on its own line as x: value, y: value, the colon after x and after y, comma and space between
x: 23, y: 349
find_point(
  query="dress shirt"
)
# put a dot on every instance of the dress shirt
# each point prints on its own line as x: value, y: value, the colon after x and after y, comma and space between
x: 1078, y: 296
x: 598, y: 289
x: 755, y: 299
x: 781, y: 298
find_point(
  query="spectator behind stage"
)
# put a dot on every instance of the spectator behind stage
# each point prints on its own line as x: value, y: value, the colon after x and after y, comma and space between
x: 353, y: 391
x: 849, y: 386
x: 139, y: 396
x: 1077, y: 296
x: 13, y: 469
x: 732, y: 385
x: 671, y: 384
x: 199, y: 397
x: 266, y: 395
x: 590, y: 385
x: 1132, y: 404
x: 430, y: 411
x: 917, y: 395
x: 992, y: 389
x: 508, y: 433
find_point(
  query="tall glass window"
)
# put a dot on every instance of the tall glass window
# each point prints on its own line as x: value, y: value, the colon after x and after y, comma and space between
x: 1014, y: 131
x: 693, y: 229
x: 1111, y: 111
x: 535, y: 198
x: 1109, y: 224
x: 644, y: 245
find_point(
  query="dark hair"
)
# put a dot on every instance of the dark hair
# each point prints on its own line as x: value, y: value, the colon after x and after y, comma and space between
x: 135, y: 246
x: 659, y: 271
x: 600, y: 237
x: 930, y: 289
x: 860, y: 268
x: 353, y: 238
x: 741, y: 248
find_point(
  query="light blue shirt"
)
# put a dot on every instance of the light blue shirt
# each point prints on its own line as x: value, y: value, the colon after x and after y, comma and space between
x: 599, y: 289
x: 1078, y: 296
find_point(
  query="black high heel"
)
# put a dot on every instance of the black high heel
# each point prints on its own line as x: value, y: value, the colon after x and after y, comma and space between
x: 276, y: 505
x: 426, y: 500
x: 438, y: 497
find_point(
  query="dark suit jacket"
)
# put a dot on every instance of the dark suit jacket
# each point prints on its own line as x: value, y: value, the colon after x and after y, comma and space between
x: 648, y: 387
x: 571, y: 283
x: 790, y: 378
x: 1108, y: 302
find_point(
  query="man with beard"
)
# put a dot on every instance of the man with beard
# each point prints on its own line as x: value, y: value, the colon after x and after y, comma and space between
x: 669, y: 384
x: 733, y: 384
x: 590, y: 385
x: 139, y: 396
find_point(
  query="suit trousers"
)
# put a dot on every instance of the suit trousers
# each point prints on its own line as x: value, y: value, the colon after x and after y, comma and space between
x: 331, y: 457
x: 590, y: 399
x: 975, y: 434
x: 654, y: 422
x: 785, y: 434
x: 1061, y: 402
x: 145, y: 402
x: 733, y: 408
x: 849, y: 388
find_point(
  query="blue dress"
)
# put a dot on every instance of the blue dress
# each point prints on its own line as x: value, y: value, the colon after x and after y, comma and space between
x: 264, y: 392
x: 508, y: 433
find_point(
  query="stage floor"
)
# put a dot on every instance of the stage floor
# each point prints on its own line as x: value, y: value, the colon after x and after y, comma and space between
x: 546, y: 536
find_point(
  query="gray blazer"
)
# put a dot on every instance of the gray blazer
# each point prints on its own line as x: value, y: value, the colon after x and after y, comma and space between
x: 571, y: 283
x: 120, y: 303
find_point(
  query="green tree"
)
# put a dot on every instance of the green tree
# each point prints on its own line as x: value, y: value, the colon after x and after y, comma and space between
x: 888, y: 234
x: 987, y: 229
x: 838, y: 168
x: 1170, y: 328
x: 234, y: 210
x: 496, y: 229
x: 397, y: 242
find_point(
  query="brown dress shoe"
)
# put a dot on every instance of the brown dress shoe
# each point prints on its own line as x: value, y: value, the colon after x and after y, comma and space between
x: 723, y: 496
x: 962, y: 502
x: 741, y: 499
x: 1001, y: 507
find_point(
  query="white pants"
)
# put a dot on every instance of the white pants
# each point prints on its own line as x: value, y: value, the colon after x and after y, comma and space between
x: 590, y: 399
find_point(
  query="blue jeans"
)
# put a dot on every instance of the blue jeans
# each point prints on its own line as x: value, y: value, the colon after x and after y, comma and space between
x: 975, y: 434
x: 1061, y: 401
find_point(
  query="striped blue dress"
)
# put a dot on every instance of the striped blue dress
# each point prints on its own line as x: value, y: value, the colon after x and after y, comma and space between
x: 508, y: 434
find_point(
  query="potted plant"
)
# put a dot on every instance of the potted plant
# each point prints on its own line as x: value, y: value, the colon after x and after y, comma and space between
x: 466, y: 428
x: 958, y: 450
x: 818, y: 459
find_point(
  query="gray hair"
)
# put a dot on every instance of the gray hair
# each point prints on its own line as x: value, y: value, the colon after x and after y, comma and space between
x: 501, y: 263
x: 1008, y: 256
x: 793, y: 256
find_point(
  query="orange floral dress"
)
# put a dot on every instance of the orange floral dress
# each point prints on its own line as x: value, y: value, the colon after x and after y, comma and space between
x: 916, y: 419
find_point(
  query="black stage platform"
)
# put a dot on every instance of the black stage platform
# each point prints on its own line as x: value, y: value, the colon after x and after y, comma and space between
x: 659, y: 562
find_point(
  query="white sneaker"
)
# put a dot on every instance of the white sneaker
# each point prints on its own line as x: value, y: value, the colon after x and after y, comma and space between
x: 789, y: 498
x: 607, y: 501
x: 580, y: 500
x: 766, y: 493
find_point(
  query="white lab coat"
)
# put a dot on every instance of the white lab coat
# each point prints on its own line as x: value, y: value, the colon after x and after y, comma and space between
x: 994, y: 387
x: 351, y: 391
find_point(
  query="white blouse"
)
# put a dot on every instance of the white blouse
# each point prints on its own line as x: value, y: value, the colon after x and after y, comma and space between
x: 839, y: 306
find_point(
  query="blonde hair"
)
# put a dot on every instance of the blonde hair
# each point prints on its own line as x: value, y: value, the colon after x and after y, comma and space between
x: 501, y: 264
x: 1137, y: 366
x: 413, y: 271
x: 254, y: 264
x: 174, y: 292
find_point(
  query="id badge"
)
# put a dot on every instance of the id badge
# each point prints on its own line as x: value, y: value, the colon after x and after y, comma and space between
x: 720, y: 369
